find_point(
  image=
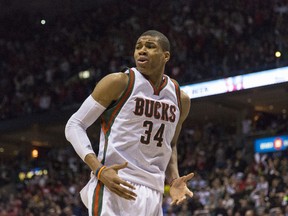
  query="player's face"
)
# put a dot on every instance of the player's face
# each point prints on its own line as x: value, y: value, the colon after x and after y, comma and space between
x: 149, y: 56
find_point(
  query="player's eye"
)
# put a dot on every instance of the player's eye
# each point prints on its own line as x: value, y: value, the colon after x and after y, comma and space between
x: 138, y: 46
x: 150, y: 45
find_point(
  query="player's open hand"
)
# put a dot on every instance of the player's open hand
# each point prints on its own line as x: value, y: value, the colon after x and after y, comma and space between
x: 179, y: 190
x: 109, y: 177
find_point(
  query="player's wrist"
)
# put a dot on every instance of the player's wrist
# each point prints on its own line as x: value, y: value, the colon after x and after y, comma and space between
x: 98, y: 171
x: 172, y: 181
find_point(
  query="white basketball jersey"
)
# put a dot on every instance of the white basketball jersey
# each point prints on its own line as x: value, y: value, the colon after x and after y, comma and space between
x: 139, y: 129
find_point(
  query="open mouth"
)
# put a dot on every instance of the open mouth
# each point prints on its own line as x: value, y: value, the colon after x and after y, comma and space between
x: 142, y: 60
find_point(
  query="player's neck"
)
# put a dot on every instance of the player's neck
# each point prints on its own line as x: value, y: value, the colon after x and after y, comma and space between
x: 155, y: 77
x: 159, y: 81
x: 156, y: 81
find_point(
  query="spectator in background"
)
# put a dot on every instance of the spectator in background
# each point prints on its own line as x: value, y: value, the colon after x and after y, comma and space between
x: 213, y: 39
x: 240, y: 33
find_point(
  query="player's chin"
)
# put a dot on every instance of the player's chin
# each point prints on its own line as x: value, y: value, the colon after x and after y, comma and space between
x: 143, y: 70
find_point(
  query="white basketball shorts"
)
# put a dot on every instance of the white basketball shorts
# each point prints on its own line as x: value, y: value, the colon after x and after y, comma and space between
x: 100, y: 201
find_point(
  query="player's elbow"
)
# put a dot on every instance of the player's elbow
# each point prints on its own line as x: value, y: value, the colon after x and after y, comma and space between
x: 68, y: 129
x: 71, y: 126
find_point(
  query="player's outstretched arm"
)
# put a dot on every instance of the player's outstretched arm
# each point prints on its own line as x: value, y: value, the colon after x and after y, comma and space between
x: 178, y: 190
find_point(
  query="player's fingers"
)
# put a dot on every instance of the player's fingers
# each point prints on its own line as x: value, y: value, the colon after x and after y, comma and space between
x: 173, y: 202
x: 124, y: 192
x: 116, y: 190
x: 119, y: 166
x: 188, y: 177
x: 190, y: 193
x: 128, y: 192
x: 123, y: 195
x: 180, y: 200
x: 127, y: 184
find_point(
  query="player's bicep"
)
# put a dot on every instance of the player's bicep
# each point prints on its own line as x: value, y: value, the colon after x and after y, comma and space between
x: 110, y: 88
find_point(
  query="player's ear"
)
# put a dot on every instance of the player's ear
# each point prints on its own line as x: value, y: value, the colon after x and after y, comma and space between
x: 167, y: 56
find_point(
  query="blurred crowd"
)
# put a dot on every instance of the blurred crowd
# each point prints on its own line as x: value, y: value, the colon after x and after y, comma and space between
x: 54, y: 193
x: 42, y: 55
x: 230, y: 179
x: 39, y: 68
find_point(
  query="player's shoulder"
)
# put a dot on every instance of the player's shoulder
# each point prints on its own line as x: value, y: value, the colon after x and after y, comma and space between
x: 184, y: 96
x: 116, y: 79
x: 185, y: 105
x: 110, y: 87
x: 117, y: 76
x: 185, y: 100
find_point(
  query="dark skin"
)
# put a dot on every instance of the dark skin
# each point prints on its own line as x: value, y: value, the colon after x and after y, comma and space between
x: 150, y: 60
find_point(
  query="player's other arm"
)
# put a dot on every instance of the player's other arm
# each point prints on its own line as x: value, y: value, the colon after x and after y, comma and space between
x: 172, y: 169
x: 178, y: 189
x: 109, y: 89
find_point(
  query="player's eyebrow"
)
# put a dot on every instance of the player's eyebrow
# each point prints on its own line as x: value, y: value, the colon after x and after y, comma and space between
x: 147, y: 42
x: 152, y: 40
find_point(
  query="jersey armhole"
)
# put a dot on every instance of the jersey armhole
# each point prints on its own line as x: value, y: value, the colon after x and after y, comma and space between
x: 178, y: 92
x: 127, y: 92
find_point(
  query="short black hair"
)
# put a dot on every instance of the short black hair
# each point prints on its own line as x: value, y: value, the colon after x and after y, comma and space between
x: 163, y: 40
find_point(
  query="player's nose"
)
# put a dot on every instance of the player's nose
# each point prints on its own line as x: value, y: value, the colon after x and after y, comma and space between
x: 142, y: 51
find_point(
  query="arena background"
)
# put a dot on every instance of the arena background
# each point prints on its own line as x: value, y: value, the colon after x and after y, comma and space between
x: 44, y: 131
x: 47, y: 130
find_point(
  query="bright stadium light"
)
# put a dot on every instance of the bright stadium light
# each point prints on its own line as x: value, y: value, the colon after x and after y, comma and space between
x: 34, y: 153
x: 84, y: 74
x: 277, y: 54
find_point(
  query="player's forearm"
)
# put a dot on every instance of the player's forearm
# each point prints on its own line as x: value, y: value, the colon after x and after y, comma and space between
x: 75, y: 129
x: 172, y: 168
x: 92, y: 161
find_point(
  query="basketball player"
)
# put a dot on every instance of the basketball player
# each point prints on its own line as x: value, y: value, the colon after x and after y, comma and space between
x: 141, y: 112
